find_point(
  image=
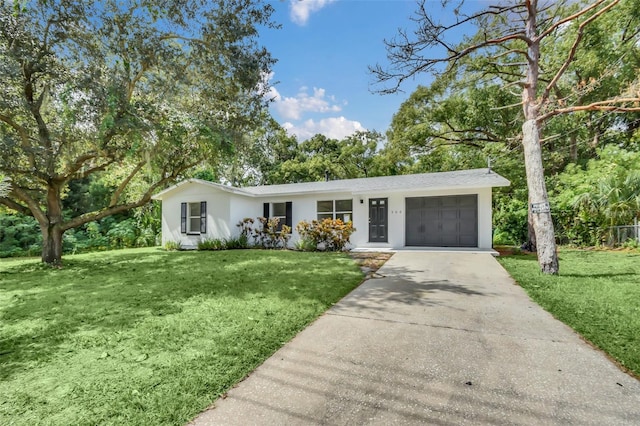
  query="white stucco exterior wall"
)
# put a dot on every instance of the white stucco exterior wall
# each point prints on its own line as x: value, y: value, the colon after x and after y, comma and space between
x: 397, y: 216
x: 218, y: 214
x: 225, y: 209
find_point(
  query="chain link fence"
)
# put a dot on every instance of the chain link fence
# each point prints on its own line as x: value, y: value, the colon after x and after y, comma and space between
x: 619, y: 235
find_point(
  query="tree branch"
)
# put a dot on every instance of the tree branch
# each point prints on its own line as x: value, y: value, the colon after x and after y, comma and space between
x: 24, y: 138
x: 576, y: 43
x: 144, y: 199
x: 79, y: 162
x: 595, y: 106
x: 406, y: 58
x: 561, y: 22
x: 123, y: 185
x: 15, y: 206
x: 32, y: 205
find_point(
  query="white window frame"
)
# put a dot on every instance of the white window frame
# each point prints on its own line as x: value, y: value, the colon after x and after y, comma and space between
x: 334, y: 213
x: 283, y: 216
x: 191, y: 217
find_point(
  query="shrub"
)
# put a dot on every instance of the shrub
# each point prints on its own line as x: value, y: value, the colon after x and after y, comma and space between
x: 306, y: 244
x: 246, y: 227
x: 329, y: 234
x: 173, y: 245
x: 122, y: 234
x: 269, y: 233
x: 19, y: 235
x: 212, y: 244
x: 240, y: 242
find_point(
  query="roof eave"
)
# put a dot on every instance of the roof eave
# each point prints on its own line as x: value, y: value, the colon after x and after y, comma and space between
x: 231, y: 189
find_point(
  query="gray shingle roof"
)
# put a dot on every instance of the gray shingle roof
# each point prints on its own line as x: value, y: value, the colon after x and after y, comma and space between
x: 475, y: 178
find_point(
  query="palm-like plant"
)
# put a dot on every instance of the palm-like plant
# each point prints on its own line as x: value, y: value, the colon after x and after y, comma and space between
x: 614, y: 201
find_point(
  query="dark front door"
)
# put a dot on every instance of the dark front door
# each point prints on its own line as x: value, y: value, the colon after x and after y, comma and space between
x: 378, y: 220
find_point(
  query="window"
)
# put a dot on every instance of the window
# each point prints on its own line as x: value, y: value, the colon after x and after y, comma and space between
x: 279, y: 211
x: 282, y: 211
x: 336, y: 209
x: 193, y: 218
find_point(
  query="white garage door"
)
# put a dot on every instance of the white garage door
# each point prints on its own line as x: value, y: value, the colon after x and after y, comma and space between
x: 449, y: 221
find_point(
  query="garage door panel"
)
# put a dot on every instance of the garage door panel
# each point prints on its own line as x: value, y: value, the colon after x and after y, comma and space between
x: 470, y: 202
x: 446, y: 221
x: 451, y: 202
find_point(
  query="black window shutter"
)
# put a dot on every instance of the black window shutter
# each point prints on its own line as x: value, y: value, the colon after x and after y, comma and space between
x: 265, y: 210
x: 288, y: 220
x: 203, y: 217
x: 183, y: 218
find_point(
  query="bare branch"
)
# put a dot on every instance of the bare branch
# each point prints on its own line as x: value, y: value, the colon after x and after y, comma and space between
x: 408, y: 61
x: 576, y: 43
x: 519, y: 104
x: 570, y: 18
x: 596, y: 106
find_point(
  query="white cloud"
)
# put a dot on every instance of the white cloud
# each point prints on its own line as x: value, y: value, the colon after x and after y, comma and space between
x: 292, y: 108
x: 334, y: 128
x: 300, y: 10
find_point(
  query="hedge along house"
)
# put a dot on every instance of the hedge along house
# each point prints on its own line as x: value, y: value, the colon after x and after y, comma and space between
x: 448, y: 209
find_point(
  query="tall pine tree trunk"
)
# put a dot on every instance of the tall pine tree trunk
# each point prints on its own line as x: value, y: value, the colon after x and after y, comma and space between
x: 541, y: 214
x: 545, y: 240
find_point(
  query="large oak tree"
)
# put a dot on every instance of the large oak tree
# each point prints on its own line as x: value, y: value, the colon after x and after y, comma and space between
x: 139, y: 91
x: 515, y: 46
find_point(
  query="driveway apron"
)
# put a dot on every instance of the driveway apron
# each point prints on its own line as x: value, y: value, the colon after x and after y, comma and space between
x: 441, y: 339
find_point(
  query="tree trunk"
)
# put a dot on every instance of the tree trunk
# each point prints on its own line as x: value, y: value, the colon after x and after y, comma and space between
x: 539, y: 201
x: 52, y: 229
x: 52, y: 244
x: 545, y: 239
x: 573, y: 147
x: 530, y: 245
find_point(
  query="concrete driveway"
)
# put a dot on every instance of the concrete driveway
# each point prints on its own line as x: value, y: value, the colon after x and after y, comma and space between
x: 441, y: 339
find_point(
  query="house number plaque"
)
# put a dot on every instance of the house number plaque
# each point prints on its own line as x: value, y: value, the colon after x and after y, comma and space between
x: 540, y: 207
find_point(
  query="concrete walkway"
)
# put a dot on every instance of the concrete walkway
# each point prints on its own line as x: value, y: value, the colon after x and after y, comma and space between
x: 441, y: 339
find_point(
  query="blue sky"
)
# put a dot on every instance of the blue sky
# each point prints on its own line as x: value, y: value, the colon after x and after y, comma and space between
x: 321, y: 82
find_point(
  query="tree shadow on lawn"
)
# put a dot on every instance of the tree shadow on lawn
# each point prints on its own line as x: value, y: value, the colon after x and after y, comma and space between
x: 119, y: 290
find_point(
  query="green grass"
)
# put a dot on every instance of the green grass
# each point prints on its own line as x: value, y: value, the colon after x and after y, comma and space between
x: 597, y: 294
x: 148, y: 337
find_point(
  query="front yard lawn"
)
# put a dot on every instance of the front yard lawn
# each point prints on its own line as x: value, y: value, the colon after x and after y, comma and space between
x: 150, y: 337
x: 597, y: 294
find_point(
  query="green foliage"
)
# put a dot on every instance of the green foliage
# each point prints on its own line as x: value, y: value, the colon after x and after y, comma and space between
x: 597, y: 294
x: 236, y: 243
x: 590, y: 200
x: 173, y: 246
x: 118, y: 99
x: 280, y: 159
x: 510, y: 222
x: 148, y: 337
x: 270, y: 234
x: 212, y: 244
x: 246, y: 227
x: 19, y: 236
x: 305, y: 243
x: 327, y: 234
